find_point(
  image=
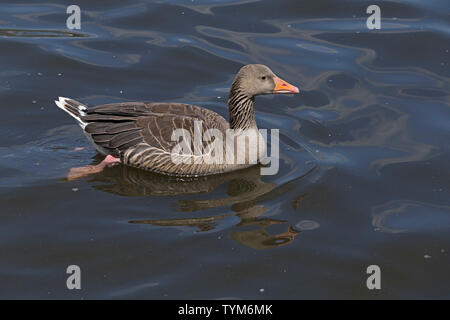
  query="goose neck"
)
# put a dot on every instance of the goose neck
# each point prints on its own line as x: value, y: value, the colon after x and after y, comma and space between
x: 242, y: 114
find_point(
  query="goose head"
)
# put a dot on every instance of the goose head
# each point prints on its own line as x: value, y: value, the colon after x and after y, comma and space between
x: 250, y: 81
x: 258, y: 79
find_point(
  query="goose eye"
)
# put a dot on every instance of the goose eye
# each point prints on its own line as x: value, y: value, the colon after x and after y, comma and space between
x: 263, y: 77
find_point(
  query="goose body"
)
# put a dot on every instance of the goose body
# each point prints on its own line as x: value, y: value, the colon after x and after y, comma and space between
x: 140, y: 134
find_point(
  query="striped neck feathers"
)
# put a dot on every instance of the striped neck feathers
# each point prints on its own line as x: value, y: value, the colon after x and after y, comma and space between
x: 240, y: 104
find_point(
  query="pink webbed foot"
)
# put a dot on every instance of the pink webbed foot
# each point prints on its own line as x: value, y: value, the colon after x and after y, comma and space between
x: 79, y: 172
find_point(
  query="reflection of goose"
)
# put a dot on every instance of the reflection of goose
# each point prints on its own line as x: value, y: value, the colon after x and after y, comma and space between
x: 257, y: 238
x: 127, y: 181
x: 260, y: 239
x: 244, y: 189
x: 140, y: 134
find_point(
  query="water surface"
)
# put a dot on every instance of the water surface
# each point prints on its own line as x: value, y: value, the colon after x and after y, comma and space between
x: 364, y: 174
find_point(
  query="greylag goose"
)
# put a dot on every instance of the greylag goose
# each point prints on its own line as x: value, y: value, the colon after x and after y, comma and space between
x: 141, y: 134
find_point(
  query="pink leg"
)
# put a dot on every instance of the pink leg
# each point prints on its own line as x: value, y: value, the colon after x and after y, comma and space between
x: 79, y: 172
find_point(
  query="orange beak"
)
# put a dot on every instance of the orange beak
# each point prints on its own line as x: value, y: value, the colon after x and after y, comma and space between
x: 282, y: 86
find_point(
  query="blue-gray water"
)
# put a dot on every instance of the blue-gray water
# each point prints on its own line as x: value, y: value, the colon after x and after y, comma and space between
x: 372, y: 120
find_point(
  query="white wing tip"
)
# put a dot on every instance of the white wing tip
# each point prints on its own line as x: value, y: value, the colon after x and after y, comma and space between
x: 60, y: 104
x: 63, y: 99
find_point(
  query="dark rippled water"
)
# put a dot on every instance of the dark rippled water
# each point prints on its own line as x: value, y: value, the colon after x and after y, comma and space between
x: 364, y: 171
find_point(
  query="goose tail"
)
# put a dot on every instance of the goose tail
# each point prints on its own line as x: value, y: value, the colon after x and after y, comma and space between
x: 74, y: 108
